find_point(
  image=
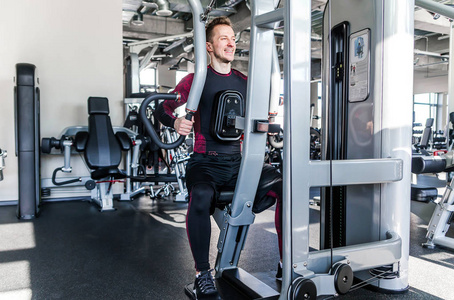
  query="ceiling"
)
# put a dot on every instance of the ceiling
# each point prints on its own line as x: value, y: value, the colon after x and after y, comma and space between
x: 166, y: 24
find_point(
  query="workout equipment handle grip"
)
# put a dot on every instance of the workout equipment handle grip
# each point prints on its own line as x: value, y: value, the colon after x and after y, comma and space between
x: 148, y: 125
x: 200, y: 68
x: 54, y: 178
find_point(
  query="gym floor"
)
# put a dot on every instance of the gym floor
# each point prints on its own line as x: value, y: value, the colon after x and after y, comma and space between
x: 140, y: 251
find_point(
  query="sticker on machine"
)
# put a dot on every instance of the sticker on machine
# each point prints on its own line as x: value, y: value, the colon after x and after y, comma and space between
x: 359, y: 66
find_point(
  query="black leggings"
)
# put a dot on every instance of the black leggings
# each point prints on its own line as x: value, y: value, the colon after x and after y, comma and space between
x: 198, y: 224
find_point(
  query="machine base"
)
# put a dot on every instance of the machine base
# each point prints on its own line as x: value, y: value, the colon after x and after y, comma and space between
x: 189, y: 291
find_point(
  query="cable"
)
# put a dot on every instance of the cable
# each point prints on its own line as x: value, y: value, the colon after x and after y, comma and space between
x: 277, y: 6
x: 331, y: 141
x: 374, y: 278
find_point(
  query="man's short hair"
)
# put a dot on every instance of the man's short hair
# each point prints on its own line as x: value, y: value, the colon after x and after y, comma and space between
x: 213, y: 23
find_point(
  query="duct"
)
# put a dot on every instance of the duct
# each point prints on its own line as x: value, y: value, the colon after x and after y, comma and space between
x: 146, y: 7
x: 149, y: 5
x: 436, y: 7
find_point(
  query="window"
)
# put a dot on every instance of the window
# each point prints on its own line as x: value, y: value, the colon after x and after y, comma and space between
x: 424, y: 107
x: 179, y: 75
x: 148, y: 80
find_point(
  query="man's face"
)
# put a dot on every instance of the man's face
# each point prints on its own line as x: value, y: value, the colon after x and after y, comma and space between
x: 222, y: 45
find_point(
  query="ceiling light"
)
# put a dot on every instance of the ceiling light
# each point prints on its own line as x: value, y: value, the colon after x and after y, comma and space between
x: 137, y: 19
x: 163, y: 8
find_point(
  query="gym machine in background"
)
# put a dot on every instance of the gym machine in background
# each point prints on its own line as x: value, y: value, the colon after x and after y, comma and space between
x: 3, y: 155
x: 443, y: 214
x: 26, y: 112
x: 151, y: 157
x: 101, y: 145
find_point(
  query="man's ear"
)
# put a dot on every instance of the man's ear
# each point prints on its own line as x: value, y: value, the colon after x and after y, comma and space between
x: 209, y: 47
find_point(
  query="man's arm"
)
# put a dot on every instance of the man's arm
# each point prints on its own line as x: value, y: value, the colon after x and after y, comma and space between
x: 164, y: 112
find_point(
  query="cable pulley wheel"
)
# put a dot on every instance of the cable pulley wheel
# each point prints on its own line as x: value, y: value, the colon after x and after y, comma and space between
x: 343, y: 278
x: 304, y: 289
x: 90, y: 184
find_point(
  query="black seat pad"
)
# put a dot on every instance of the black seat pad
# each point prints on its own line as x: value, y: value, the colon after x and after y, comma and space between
x: 114, y: 173
x: 103, y: 149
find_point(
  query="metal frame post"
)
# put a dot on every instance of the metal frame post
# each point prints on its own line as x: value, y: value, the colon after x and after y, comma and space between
x: 262, y: 38
x: 297, y: 76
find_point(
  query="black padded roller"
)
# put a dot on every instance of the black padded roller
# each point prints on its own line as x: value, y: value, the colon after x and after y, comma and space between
x: 428, y: 164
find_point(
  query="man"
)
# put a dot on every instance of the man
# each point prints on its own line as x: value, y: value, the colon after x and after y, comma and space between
x: 215, y: 164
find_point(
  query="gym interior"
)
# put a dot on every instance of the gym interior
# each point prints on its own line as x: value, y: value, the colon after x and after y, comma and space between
x: 348, y: 99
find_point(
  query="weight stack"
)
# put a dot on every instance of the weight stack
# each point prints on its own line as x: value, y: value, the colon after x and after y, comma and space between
x: 26, y: 110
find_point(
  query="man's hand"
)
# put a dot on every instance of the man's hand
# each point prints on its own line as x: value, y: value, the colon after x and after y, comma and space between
x: 183, y: 126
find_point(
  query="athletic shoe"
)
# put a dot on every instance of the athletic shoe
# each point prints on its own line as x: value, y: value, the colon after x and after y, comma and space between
x: 204, y: 287
x: 279, y: 271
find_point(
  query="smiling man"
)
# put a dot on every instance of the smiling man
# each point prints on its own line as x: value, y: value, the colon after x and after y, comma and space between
x: 215, y: 163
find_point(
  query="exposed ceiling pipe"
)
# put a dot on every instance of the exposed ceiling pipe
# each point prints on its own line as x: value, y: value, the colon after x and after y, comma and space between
x: 433, y: 54
x: 149, y: 4
x: 435, y: 7
x: 431, y: 64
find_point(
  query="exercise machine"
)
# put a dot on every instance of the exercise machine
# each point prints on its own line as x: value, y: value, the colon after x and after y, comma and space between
x: 443, y: 214
x: 360, y: 236
x: 372, y: 226
x: 26, y: 112
x: 365, y: 214
x: 102, y: 148
x: 423, y: 145
x: 150, y: 154
x: 3, y: 155
x: 382, y: 227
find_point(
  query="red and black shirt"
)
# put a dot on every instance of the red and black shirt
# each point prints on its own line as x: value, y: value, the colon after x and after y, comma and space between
x: 215, y: 83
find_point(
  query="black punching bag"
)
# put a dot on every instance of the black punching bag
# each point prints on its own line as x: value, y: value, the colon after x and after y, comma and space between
x: 26, y: 109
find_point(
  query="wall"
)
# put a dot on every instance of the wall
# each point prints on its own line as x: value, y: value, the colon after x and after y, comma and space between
x: 77, y: 49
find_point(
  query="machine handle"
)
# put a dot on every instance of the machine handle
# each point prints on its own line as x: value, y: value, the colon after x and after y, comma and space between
x: 54, y: 178
x: 200, y: 68
x: 148, y: 125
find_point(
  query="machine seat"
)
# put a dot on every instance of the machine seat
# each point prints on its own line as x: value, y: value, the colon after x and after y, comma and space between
x: 224, y: 198
x: 102, y: 148
x: 114, y: 173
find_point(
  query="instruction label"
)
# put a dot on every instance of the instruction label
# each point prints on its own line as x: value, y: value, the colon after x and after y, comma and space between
x: 359, y: 66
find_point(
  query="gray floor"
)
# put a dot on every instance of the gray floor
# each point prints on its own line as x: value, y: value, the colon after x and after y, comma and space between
x: 140, y: 251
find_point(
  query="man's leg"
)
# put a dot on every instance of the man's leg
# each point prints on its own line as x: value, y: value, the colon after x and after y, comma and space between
x: 198, y: 227
x: 276, y: 192
x: 269, y: 191
x: 198, y: 224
